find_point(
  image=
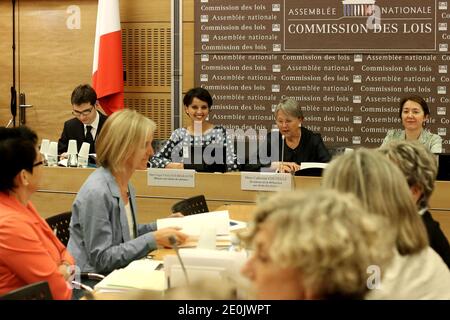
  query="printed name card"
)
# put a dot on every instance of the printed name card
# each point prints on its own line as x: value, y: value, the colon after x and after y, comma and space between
x: 171, y: 178
x: 266, y: 181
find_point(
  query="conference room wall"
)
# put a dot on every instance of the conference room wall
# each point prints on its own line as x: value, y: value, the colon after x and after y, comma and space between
x: 5, y: 60
x: 52, y: 59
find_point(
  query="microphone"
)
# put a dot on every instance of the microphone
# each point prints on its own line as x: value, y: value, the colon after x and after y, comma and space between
x: 282, y: 153
x: 173, y: 242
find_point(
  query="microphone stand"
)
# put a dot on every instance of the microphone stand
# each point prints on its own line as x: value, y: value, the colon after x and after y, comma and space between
x: 282, y: 153
x: 173, y: 242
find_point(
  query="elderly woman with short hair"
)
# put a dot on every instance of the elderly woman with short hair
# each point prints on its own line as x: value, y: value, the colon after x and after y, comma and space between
x: 419, y: 166
x: 293, y: 143
x: 315, y: 245
x: 104, y: 232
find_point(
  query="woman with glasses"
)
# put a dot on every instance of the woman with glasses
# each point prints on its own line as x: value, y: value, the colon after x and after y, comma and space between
x: 29, y: 250
x: 87, y: 123
x: 292, y: 144
x: 414, y: 112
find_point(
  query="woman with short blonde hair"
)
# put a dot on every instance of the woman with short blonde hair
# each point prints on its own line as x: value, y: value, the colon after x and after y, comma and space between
x: 315, y: 245
x: 104, y: 230
x: 416, y: 272
x: 125, y: 133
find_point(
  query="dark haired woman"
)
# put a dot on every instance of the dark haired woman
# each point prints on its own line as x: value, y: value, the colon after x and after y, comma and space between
x: 29, y: 250
x: 414, y: 112
x: 199, y: 133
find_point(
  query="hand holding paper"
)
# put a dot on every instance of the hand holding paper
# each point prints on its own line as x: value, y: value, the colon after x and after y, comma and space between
x: 193, y: 224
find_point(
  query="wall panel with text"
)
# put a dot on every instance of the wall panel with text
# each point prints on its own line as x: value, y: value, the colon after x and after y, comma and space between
x: 348, y: 62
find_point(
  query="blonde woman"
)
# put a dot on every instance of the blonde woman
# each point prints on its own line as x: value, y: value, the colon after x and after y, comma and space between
x: 417, y: 272
x: 419, y: 166
x: 104, y: 232
x: 315, y: 245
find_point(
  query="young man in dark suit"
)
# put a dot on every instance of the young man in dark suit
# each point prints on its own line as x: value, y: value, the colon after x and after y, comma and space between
x: 87, y: 123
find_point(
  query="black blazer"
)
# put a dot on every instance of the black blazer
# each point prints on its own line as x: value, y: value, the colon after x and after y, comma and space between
x: 74, y: 129
x: 310, y: 149
x: 438, y: 241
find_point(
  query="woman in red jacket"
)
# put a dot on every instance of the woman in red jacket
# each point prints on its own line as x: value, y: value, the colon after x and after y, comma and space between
x: 29, y: 251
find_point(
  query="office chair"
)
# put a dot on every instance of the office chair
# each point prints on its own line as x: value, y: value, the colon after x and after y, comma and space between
x: 61, y: 223
x: 191, y: 205
x: 35, y: 291
x: 158, y: 144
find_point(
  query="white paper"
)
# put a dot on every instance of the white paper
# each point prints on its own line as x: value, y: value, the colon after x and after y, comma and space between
x: 132, y: 279
x: 144, y: 265
x: 193, y: 224
x: 237, y: 225
x: 171, y: 178
x: 308, y: 165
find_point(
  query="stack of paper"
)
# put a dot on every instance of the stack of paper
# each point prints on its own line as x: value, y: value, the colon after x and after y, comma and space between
x: 140, y: 274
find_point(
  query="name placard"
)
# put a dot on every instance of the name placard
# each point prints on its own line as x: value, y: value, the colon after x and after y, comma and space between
x: 171, y: 178
x: 265, y: 181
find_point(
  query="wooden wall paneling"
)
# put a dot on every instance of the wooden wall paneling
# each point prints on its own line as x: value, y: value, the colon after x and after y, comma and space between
x: 5, y: 60
x: 59, y: 203
x: 146, y: 56
x: 440, y: 194
x: 53, y: 60
x: 443, y: 217
x: 188, y: 56
x: 155, y: 106
x: 145, y: 10
x: 188, y: 10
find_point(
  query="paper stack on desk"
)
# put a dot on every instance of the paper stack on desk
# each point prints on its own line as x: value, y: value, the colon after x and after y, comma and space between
x: 140, y: 274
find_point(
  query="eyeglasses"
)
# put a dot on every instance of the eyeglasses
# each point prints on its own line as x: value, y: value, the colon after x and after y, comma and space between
x: 38, y: 163
x: 82, y: 113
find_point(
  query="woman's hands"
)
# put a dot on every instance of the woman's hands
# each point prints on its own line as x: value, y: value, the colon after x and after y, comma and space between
x: 175, y: 165
x: 66, y: 270
x: 162, y: 236
x: 285, y: 167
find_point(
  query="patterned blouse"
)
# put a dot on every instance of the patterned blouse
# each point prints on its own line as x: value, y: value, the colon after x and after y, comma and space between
x: 431, y: 141
x: 181, y: 141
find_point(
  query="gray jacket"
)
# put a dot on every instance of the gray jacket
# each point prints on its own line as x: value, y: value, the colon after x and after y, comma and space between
x: 99, y: 234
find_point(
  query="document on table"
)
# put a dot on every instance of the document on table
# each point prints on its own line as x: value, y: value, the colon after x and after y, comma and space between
x: 140, y: 274
x: 194, y: 224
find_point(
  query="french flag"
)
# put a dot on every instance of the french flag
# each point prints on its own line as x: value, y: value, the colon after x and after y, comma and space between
x: 107, y: 70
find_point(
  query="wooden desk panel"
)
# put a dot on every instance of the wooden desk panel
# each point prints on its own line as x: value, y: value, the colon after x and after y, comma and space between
x: 60, y: 185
